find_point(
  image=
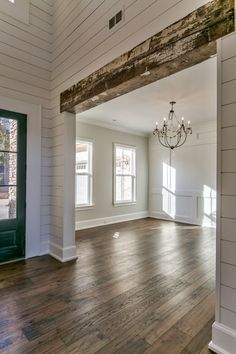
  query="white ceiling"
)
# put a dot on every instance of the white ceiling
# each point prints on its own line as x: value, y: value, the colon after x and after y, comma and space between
x: 193, y: 89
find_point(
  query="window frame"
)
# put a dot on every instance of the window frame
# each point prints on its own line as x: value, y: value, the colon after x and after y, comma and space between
x: 91, y: 203
x: 134, y: 176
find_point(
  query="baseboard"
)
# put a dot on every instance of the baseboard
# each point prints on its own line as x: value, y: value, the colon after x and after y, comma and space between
x: 177, y: 218
x: 223, y: 339
x: 87, y: 224
x: 62, y: 254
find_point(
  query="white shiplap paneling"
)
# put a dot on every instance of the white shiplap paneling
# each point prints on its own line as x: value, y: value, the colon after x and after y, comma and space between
x: 224, y: 329
x: 25, y: 69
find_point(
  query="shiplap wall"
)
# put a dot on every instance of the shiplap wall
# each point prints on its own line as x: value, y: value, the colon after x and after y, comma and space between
x: 224, y: 338
x: 228, y: 179
x: 83, y: 43
x: 25, y: 67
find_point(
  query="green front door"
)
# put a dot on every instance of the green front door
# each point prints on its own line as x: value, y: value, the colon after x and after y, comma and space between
x: 12, y: 185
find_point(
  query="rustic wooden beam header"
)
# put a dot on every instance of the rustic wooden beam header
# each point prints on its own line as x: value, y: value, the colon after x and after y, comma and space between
x: 185, y: 43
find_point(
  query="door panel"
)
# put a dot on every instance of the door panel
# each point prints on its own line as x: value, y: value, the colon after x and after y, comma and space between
x: 12, y: 185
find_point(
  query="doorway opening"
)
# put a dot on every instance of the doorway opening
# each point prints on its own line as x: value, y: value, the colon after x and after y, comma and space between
x: 179, y: 184
x: 170, y: 251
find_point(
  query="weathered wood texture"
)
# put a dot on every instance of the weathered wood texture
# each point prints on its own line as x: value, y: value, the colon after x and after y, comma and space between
x: 183, y: 44
x: 151, y: 290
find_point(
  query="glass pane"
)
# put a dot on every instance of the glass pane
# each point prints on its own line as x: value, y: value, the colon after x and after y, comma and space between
x: 118, y: 161
x: 82, y: 195
x: 123, y: 188
x: 8, y: 134
x: 8, y: 202
x: 82, y: 157
x: 8, y: 168
x: 125, y: 161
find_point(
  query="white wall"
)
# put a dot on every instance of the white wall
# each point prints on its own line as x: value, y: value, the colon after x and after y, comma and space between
x: 25, y: 64
x: 104, y: 212
x: 182, y: 182
x: 83, y: 43
x: 224, y: 328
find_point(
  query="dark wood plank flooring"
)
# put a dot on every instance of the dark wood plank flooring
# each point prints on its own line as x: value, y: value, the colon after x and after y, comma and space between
x: 147, y: 289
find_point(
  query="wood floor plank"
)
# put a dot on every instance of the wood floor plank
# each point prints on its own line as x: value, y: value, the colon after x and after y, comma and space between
x: 143, y: 292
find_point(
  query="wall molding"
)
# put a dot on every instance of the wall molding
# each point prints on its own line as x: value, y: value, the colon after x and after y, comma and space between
x: 178, y: 218
x: 87, y: 224
x: 223, y: 339
x: 196, y: 200
x: 62, y: 254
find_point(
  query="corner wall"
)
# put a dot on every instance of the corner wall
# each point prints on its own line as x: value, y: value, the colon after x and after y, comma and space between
x: 182, y: 182
x: 104, y: 211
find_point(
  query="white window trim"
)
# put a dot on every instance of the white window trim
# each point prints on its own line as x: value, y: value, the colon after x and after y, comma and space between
x: 134, y: 177
x: 19, y: 9
x: 91, y: 205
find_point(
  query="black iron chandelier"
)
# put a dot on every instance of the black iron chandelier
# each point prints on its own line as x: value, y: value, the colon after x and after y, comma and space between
x: 173, y: 133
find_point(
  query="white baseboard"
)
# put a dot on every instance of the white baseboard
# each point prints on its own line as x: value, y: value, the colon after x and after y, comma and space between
x: 62, y: 254
x: 177, y: 218
x: 87, y: 224
x: 223, y: 339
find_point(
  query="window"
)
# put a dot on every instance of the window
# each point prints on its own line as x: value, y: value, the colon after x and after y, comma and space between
x: 84, y: 173
x: 124, y: 174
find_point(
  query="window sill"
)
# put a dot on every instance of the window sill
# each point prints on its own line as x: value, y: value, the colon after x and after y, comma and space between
x: 124, y: 204
x: 85, y: 207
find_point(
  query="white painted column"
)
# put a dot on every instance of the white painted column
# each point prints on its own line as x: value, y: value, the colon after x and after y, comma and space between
x: 224, y: 328
x: 62, y: 243
x: 69, y: 248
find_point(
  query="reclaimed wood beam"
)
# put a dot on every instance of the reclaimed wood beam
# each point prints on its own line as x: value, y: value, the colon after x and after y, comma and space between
x: 185, y: 43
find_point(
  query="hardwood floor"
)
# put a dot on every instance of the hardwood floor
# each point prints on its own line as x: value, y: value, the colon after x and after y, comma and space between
x: 144, y: 286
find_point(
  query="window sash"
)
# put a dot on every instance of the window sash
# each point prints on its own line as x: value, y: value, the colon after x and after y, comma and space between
x: 133, y: 192
x: 89, y: 174
x: 131, y: 174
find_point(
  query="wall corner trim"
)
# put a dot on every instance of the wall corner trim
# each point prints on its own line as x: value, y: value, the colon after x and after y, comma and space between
x: 62, y: 254
x: 223, y: 339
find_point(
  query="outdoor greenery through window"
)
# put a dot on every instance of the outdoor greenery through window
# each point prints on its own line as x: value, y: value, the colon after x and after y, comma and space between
x: 84, y: 174
x: 125, y: 174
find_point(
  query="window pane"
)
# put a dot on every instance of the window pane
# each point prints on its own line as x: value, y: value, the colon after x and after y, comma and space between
x: 7, y: 203
x: 123, y: 188
x: 82, y: 188
x: 82, y: 158
x: 8, y: 134
x: 119, y: 157
x: 8, y: 168
x: 125, y: 161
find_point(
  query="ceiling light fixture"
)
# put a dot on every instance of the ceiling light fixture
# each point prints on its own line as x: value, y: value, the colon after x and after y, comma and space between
x: 173, y: 133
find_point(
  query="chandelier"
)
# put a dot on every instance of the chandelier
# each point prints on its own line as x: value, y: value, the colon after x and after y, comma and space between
x: 173, y: 132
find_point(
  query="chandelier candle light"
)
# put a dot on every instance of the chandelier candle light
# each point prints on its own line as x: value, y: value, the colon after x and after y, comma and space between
x: 173, y: 132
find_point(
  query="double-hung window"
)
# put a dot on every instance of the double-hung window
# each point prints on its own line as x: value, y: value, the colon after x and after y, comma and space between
x: 124, y: 174
x: 84, y: 174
